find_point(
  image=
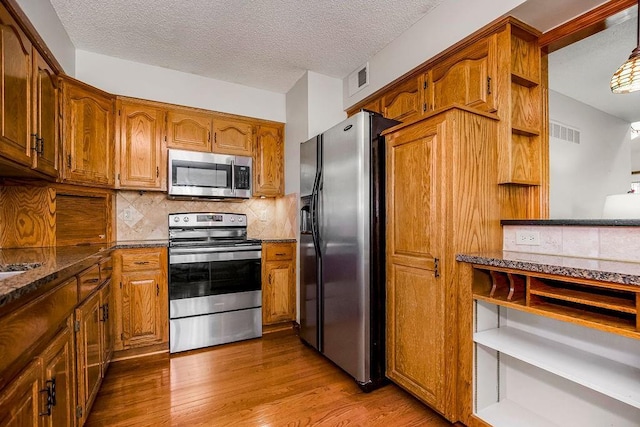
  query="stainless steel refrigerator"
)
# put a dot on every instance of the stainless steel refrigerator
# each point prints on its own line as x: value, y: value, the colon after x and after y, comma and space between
x: 342, y: 263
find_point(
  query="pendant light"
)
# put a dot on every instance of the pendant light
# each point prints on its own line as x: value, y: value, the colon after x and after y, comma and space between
x: 627, y: 78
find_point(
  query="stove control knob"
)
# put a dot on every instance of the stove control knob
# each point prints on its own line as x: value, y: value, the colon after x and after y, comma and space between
x: 240, y: 219
x: 176, y: 219
x: 186, y: 219
x: 233, y: 219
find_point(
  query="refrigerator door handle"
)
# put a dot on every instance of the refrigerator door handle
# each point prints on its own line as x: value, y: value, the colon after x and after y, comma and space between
x: 314, y: 215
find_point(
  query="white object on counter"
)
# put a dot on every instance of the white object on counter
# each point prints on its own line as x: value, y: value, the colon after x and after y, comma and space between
x: 622, y: 206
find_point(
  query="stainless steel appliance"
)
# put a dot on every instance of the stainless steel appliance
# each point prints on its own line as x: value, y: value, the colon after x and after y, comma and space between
x: 194, y: 174
x: 342, y: 246
x: 215, y: 294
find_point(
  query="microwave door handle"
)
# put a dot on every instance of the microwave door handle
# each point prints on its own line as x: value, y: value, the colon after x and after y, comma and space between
x: 233, y: 177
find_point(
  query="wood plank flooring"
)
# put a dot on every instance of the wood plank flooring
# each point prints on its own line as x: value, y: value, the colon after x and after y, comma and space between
x: 273, y: 381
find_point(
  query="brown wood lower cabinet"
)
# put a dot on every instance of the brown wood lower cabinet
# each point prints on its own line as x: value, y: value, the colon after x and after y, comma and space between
x: 141, y: 298
x: 94, y: 345
x: 278, y: 283
x: 442, y: 198
x: 19, y: 401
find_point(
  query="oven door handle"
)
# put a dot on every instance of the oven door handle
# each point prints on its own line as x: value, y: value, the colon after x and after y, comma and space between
x: 189, y: 258
x: 205, y: 250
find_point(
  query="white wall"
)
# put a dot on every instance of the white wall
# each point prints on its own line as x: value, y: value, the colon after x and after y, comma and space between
x: 325, y: 103
x: 444, y: 26
x: 45, y: 19
x: 128, y: 78
x: 582, y: 175
x: 296, y: 131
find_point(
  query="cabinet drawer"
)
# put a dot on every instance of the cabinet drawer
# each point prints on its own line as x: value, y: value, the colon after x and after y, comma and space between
x: 88, y: 281
x: 141, y: 260
x: 278, y: 251
x: 106, y: 269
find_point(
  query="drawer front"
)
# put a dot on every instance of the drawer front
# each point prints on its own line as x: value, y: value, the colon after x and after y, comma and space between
x: 106, y: 269
x: 278, y: 251
x: 88, y: 281
x: 135, y: 260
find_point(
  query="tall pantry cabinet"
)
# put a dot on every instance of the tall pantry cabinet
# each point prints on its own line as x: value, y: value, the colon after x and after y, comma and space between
x: 441, y: 192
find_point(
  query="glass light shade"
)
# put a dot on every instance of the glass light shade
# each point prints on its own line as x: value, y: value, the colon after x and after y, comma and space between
x: 627, y: 78
x: 622, y: 206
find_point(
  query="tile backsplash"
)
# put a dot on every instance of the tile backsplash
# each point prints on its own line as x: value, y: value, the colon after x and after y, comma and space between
x: 610, y: 243
x: 143, y: 216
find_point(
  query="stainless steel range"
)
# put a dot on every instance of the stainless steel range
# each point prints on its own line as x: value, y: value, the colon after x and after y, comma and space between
x: 215, y: 292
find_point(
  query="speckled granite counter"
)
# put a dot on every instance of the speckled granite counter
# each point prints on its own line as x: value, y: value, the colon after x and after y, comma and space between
x: 46, y: 265
x: 627, y: 273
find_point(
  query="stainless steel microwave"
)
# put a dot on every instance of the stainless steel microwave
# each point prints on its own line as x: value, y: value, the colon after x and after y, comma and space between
x: 195, y: 174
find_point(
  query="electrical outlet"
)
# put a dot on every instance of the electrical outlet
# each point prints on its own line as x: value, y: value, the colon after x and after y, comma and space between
x: 531, y: 238
x: 126, y: 214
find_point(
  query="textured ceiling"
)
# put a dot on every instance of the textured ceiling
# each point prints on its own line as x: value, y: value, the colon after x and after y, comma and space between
x: 583, y: 70
x: 266, y: 44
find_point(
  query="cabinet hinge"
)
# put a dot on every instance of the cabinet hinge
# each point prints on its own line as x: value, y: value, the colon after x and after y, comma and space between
x: 120, y: 285
x: 424, y: 107
x: 436, y: 267
x: 78, y: 411
x: 76, y: 326
x: 488, y: 85
x: 118, y: 112
x: 118, y: 177
x: 424, y: 85
x: 122, y: 336
x: 69, y: 161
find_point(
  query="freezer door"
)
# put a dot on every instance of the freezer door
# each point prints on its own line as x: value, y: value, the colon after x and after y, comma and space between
x: 308, y: 165
x: 344, y: 209
x: 308, y: 303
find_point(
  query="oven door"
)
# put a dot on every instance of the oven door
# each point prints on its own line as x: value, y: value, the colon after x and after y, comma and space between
x: 215, y: 279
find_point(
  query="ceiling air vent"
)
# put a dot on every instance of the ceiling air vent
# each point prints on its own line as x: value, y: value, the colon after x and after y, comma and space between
x: 564, y: 132
x: 359, y: 79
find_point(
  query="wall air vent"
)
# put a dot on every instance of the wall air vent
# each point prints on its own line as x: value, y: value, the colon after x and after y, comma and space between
x: 359, y: 79
x: 564, y: 132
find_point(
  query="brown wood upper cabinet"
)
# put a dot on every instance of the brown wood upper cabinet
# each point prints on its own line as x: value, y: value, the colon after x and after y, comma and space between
x: 232, y: 137
x: 465, y: 78
x: 405, y: 102
x: 268, y: 161
x: 29, y: 110
x: 141, y: 162
x: 88, y: 151
x: 189, y: 130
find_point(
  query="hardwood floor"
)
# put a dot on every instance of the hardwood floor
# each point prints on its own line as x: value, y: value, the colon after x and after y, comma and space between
x: 273, y: 381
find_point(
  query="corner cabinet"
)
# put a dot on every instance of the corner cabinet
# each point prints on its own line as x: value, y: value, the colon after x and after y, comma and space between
x: 450, y: 209
x: 141, y: 297
x: 141, y: 162
x: 88, y: 134
x: 278, y: 283
x: 268, y: 161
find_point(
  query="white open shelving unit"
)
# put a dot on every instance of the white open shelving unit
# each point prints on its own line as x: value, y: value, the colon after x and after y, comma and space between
x: 531, y: 370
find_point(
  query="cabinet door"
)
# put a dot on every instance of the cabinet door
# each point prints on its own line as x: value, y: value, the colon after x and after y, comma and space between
x: 107, y: 326
x: 45, y: 116
x: 278, y: 292
x: 15, y: 109
x: 141, y: 165
x: 465, y: 78
x: 88, y: 352
x: 58, y: 361
x: 88, y: 148
x: 189, y: 130
x: 232, y: 137
x: 20, y: 402
x: 143, y: 303
x: 268, y: 168
x: 415, y: 293
x: 405, y: 102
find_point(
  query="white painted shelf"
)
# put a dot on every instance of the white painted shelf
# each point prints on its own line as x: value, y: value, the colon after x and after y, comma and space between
x: 611, y: 378
x: 507, y: 413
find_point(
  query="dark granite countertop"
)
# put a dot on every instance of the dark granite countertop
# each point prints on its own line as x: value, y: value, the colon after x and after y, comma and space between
x: 627, y: 273
x: 279, y: 240
x: 45, y: 265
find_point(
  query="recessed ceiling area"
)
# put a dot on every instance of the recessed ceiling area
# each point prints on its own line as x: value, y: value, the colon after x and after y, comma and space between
x: 261, y: 44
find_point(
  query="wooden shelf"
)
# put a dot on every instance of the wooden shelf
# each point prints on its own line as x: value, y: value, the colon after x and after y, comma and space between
x: 507, y: 413
x: 611, y: 378
x: 524, y: 131
x: 523, y: 80
x: 609, y: 302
